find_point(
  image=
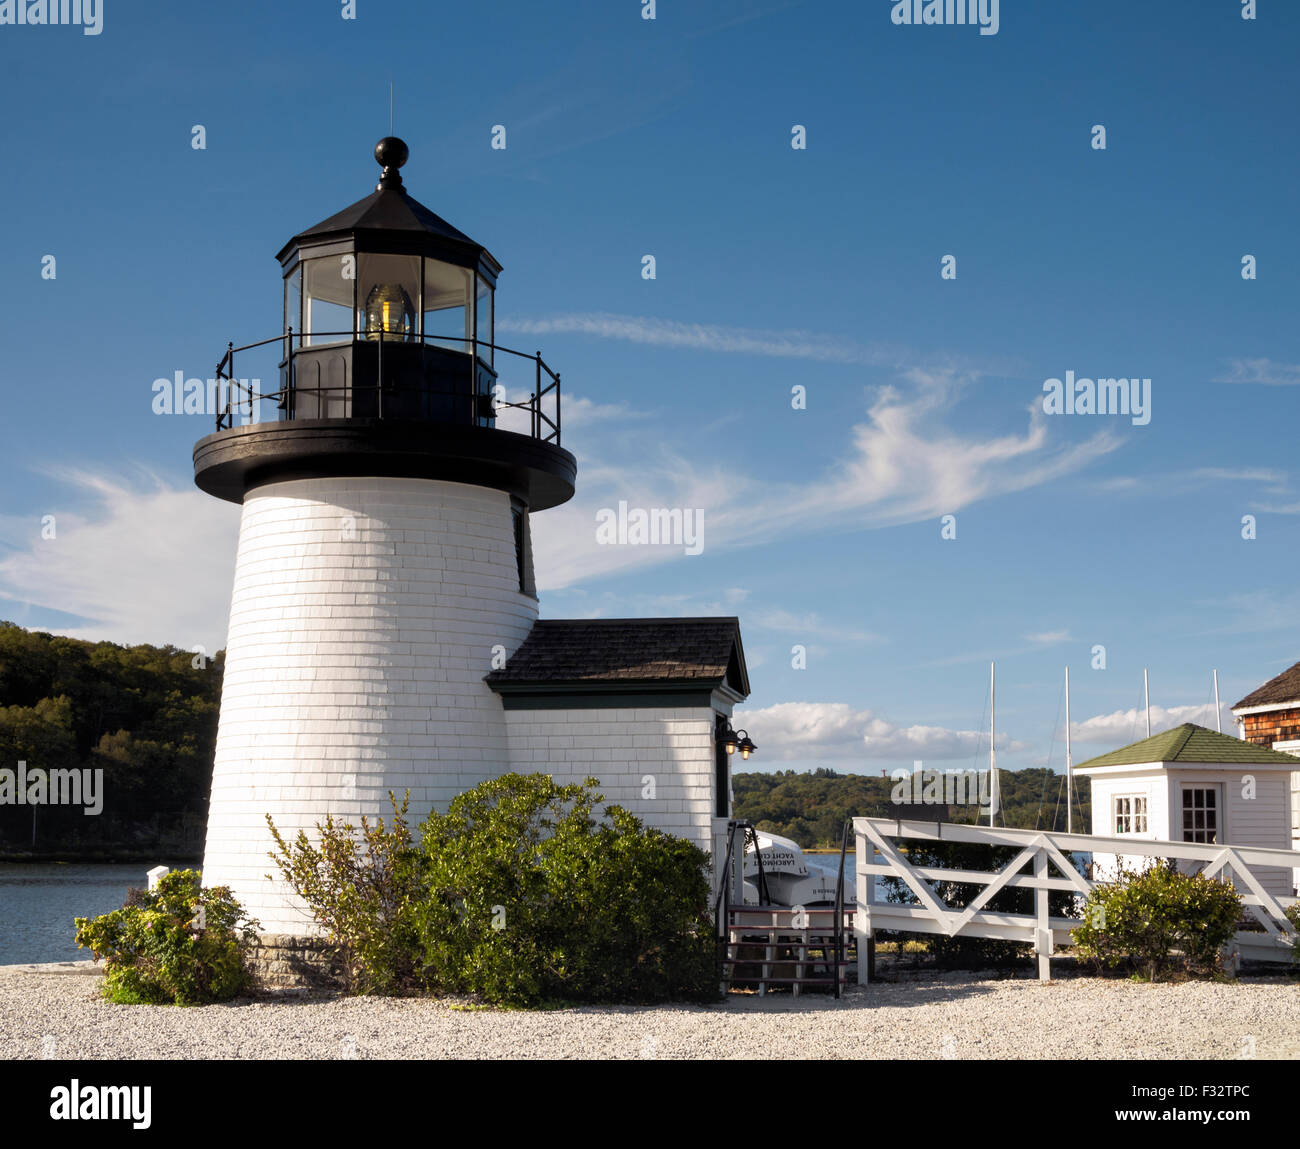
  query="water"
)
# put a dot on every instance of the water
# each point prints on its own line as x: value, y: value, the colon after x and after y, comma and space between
x: 39, y: 900
x: 830, y: 863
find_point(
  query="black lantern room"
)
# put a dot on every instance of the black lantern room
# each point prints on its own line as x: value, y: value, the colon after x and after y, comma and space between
x: 388, y: 290
x: 389, y: 363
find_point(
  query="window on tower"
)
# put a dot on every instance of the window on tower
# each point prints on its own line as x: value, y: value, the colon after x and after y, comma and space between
x: 521, y: 544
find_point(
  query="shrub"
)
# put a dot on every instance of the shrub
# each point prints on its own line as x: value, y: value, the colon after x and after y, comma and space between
x: 1143, y: 917
x: 530, y: 896
x: 361, y: 889
x: 179, y: 944
x: 1293, y: 916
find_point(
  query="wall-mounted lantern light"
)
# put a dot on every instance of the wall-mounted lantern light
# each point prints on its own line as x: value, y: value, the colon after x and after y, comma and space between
x: 733, y: 740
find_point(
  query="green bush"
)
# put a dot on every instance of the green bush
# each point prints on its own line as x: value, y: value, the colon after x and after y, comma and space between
x: 178, y: 944
x: 531, y: 896
x: 1141, y: 919
x: 361, y: 889
x: 1293, y: 916
x: 521, y: 893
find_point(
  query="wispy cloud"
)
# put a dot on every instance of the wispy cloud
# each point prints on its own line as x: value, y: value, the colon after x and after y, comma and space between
x: 810, y: 345
x: 809, y: 625
x: 902, y: 463
x: 1169, y: 484
x: 1048, y: 637
x: 1265, y: 371
x: 1268, y: 611
x: 1242, y: 474
x: 743, y: 18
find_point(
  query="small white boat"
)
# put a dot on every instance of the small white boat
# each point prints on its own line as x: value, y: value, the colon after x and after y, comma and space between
x: 789, y: 879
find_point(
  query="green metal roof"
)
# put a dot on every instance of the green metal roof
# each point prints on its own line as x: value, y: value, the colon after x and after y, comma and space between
x: 1190, y: 743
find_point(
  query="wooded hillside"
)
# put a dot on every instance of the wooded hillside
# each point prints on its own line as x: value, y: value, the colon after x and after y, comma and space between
x: 144, y: 715
x: 811, y: 808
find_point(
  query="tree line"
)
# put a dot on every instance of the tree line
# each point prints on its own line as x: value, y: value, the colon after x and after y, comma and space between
x: 811, y: 808
x: 146, y: 716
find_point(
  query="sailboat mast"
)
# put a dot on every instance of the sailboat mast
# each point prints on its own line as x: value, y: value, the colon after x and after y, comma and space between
x: 993, y: 759
x: 1146, y: 693
x: 1069, y: 769
x: 1218, y: 714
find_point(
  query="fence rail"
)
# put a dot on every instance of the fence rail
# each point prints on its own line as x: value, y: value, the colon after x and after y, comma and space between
x: 879, y: 855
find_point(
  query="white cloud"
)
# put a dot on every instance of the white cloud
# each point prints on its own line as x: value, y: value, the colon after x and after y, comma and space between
x: 143, y: 564
x: 1121, y: 727
x: 805, y: 731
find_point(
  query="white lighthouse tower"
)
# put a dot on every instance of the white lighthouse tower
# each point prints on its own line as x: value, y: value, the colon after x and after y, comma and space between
x: 384, y: 564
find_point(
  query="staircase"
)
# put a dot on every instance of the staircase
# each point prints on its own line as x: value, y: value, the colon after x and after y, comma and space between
x: 787, y: 947
x: 780, y: 946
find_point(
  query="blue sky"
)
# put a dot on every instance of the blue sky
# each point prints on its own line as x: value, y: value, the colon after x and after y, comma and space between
x: 775, y: 267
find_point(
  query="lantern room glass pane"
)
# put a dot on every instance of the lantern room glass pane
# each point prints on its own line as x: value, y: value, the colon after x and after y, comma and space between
x: 293, y: 300
x: 388, y: 293
x: 483, y: 320
x: 327, y: 301
x: 448, y: 321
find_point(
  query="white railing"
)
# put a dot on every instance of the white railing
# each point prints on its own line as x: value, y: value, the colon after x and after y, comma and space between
x: 878, y: 854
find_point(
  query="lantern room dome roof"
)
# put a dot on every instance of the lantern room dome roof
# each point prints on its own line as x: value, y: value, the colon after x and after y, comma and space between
x: 391, y: 220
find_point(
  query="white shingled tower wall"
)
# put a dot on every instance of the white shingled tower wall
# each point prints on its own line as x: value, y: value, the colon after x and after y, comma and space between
x: 363, y: 619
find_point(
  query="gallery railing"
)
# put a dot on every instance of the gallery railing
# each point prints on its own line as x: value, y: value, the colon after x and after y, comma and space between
x: 335, y: 374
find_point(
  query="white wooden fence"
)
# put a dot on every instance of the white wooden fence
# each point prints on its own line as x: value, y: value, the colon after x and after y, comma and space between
x: 878, y: 854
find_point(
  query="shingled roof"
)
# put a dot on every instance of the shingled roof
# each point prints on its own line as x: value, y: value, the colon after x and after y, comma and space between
x: 1284, y: 688
x: 619, y: 652
x: 1190, y: 744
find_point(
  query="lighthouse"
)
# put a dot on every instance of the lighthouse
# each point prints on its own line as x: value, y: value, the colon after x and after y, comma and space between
x: 384, y: 632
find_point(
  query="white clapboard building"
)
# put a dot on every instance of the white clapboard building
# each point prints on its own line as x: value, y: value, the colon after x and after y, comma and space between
x: 1191, y: 784
x: 384, y: 630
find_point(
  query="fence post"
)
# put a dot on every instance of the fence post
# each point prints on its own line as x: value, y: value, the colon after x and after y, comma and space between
x: 864, y: 853
x: 1043, y: 942
x: 737, y: 875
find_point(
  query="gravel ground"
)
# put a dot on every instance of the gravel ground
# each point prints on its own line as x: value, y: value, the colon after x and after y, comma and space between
x: 922, y: 1017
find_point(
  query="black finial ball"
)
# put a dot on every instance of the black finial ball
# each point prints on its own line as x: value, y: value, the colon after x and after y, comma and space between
x: 391, y: 152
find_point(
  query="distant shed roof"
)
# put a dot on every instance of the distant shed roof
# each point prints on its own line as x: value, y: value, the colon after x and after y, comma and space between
x: 703, y: 652
x: 1284, y: 688
x: 1190, y: 744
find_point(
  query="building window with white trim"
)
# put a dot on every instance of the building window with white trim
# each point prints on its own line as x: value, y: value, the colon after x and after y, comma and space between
x: 1201, y: 814
x: 1131, y: 814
